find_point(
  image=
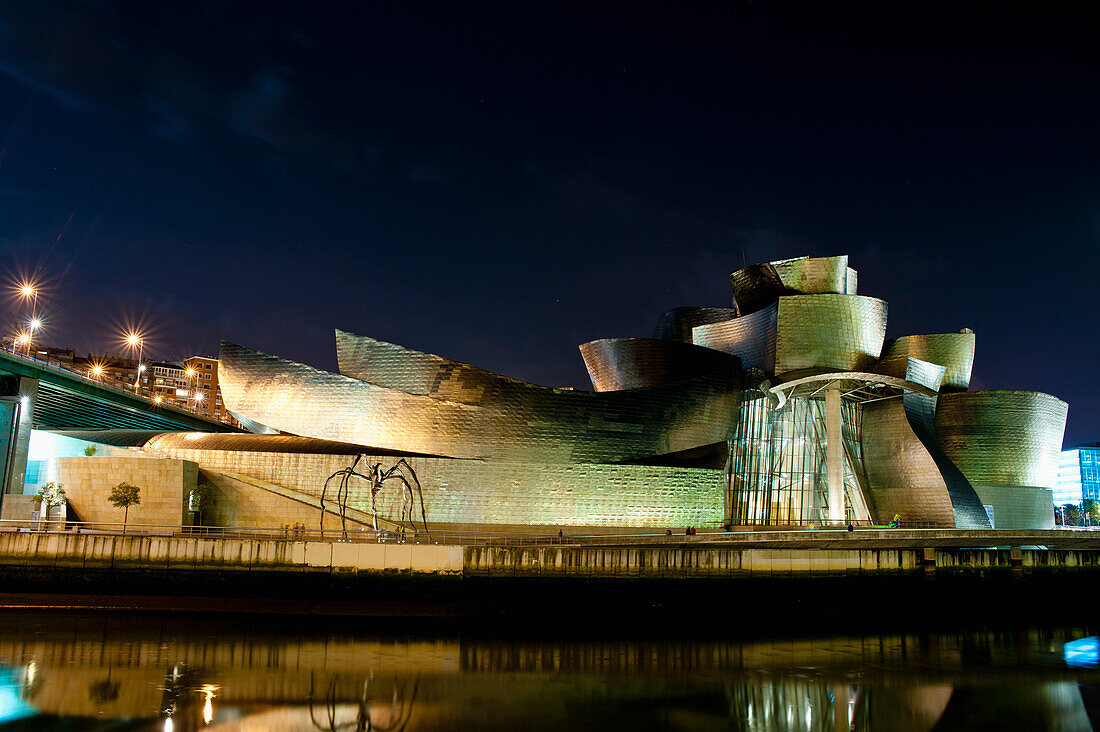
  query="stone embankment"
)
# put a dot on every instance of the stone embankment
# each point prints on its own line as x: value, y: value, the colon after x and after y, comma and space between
x: 67, y: 553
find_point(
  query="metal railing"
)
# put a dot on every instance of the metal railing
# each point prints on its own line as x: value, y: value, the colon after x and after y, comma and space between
x: 411, y: 536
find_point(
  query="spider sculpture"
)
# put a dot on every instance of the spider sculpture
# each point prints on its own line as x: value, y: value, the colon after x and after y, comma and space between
x: 376, y: 476
x: 400, y: 712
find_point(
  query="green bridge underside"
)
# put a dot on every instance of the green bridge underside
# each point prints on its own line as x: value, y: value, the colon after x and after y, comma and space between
x: 67, y: 401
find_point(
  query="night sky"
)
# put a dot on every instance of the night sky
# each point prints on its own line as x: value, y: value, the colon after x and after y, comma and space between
x: 500, y: 183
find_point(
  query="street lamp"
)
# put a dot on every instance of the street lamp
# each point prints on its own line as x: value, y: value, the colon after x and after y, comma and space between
x: 32, y: 327
x: 134, y: 340
x: 29, y: 291
x: 97, y: 370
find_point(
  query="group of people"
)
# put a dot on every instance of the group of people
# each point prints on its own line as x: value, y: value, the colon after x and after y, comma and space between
x: 295, y: 532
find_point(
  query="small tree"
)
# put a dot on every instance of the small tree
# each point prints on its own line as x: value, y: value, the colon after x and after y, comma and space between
x: 1092, y: 511
x: 202, y: 497
x: 125, y: 495
x: 89, y: 451
x: 50, y: 495
x: 1072, y: 513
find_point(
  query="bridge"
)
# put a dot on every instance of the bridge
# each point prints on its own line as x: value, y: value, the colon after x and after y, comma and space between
x: 40, y: 395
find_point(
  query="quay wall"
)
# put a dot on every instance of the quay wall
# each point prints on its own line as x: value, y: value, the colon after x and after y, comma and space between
x: 173, y: 554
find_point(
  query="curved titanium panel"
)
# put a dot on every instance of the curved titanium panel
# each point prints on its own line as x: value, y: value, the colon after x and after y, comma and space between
x: 1003, y: 437
x: 953, y: 351
x: 676, y: 324
x: 411, y: 371
x: 920, y: 410
x: 907, y: 472
x: 829, y: 333
x: 760, y: 285
x: 615, y: 364
x: 467, y: 412
x: 750, y: 337
x: 167, y: 441
x: 902, y: 478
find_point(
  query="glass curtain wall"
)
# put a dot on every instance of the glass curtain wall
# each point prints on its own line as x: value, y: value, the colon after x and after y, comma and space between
x: 777, y: 462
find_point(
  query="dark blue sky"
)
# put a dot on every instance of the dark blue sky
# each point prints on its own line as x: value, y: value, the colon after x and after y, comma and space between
x: 499, y: 183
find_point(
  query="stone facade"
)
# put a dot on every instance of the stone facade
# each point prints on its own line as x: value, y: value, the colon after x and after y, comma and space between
x: 478, y: 492
x: 165, y: 486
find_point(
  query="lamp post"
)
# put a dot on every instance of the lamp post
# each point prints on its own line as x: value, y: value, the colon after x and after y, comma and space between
x: 134, y: 340
x: 32, y: 328
x: 190, y: 383
x: 29, y: 291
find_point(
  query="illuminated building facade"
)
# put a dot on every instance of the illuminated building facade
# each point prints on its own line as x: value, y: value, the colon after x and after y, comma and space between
x: 1078, y: 475
x: 791, y: 407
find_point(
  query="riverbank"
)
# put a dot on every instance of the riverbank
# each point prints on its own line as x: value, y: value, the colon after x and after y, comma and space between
x: 675, y: 582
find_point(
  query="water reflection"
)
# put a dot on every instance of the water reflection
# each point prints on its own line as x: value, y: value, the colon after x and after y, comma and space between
x: 179, y: 674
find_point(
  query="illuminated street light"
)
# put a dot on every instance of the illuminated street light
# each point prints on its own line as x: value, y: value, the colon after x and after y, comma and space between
x: 97, y: 370
x: 29, y: 291
x: 134, y: 340
x: 158, y: 399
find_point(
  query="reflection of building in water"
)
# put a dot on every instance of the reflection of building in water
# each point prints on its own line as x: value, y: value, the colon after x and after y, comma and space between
x: 248, y: 678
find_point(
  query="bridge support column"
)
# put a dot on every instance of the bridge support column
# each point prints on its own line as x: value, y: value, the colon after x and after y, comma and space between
x: 17, y: 398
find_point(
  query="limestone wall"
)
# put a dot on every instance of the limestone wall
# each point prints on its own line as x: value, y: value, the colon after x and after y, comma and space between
x: 242, y: 505
x: 165, y: 485
x: 479, y: 492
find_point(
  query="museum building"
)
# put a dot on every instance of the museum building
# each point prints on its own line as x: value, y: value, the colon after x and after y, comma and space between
x: 789, y: 408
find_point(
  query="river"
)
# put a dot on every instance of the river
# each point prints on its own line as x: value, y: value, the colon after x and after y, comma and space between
x: 176, y: 673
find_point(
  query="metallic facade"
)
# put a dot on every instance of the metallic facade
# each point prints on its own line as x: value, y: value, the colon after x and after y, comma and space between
x: 827, y: 332
x: 617, y: 364
x: 677, y: 324
x: 953, y: 351
x: 831, y: 414
x: 750, y: 337
x: 457, y: 411
x: 759, y: 285
x: 1003, y: 437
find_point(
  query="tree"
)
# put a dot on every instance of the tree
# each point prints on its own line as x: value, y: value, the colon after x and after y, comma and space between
x: 51, y: 494
x: 1092, y: 511
x: 202, y: 497
x: 125, y: 495
x: 1073, y: 514
x: 89, y: 451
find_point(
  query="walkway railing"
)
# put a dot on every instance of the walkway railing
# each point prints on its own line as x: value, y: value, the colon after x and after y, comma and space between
x: 409, y: 536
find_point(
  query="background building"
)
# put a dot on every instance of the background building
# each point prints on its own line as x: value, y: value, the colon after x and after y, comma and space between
x: 1078, y: 475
